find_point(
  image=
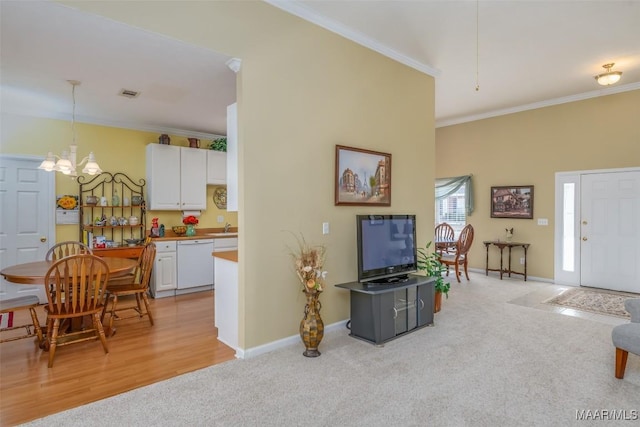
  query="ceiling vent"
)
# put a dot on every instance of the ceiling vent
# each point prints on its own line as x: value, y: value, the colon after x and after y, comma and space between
x: 129, y: 93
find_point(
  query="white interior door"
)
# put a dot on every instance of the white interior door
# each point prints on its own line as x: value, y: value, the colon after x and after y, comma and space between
x: 610, y: 230
x: 27, y: 227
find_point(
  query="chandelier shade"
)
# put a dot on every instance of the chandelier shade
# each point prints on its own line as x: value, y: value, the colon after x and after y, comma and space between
x: 66, y: 163
x: 609, y: 77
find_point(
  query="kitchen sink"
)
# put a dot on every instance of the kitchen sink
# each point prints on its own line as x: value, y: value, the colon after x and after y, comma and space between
x: 222, y: 234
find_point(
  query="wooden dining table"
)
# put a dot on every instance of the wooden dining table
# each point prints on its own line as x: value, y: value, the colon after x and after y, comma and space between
x: 33, y: 273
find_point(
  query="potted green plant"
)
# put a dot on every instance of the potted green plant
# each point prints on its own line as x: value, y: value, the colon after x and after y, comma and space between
x: 219, y: 144
x: 429, y: 262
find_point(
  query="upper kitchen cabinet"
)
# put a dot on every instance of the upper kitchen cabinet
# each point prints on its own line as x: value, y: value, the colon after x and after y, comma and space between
x: 232, y: 158
x: 176, y: 177
x: 216, y: 167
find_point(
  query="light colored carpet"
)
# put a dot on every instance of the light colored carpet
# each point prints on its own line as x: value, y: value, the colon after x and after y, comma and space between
x: 486, y: 362
x: 594, y: 301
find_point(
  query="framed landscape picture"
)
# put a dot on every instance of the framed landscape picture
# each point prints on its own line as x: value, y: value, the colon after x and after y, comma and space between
x: 363, y: 177
x: 515, y: 201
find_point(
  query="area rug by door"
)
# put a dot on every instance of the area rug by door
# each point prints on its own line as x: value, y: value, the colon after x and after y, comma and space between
x: 594, y: 301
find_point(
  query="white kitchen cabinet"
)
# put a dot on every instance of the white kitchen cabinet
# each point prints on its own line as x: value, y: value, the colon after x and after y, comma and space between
x: 163, y: 177
x: 193, y: 178
x: 216, y: 167
x: 232, y: 158
x: 176, y: 177
x: 164, y: 278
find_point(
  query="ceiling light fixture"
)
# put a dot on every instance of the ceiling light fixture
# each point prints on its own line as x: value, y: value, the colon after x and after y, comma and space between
x: 610, y: 77
x: 67, y: 161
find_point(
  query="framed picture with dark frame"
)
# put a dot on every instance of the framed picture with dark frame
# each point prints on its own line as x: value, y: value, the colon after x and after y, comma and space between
x: 512, y: 201
x: 363, y: 177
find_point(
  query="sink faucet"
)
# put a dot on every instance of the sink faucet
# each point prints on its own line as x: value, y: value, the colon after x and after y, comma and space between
x: 226, y: 227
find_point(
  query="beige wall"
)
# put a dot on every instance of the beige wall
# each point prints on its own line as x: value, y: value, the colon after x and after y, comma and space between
x: 529, y: 148
x: 303, y: 90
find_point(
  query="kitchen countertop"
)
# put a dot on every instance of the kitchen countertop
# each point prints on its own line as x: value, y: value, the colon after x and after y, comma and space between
x: 228, y: 255
x: 201, y: 233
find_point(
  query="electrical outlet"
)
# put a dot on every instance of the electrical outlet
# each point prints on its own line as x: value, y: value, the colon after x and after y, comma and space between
x: 220, y: 219
x: 522, y: 261
x: 325, y: 228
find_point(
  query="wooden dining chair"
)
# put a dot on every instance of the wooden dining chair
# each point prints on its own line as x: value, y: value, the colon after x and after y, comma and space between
x: 65, y: 249
x: 26, y: 302
x: 77, y: 288
x: 128, y: 278
x: 463, y: 245
x: 444, y: 233
x: 139, y: 288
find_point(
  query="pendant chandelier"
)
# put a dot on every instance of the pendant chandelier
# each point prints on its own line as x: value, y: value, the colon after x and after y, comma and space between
x: 66, y: 162
x: 610, y: 77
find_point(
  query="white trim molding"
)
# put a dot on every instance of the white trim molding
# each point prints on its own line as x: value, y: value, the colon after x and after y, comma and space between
x: 284, y: 342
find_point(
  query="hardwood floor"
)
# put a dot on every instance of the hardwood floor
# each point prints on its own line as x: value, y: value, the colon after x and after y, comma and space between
x: 183, y: 339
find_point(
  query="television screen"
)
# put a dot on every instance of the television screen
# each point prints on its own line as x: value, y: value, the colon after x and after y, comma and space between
x: 386, y: 247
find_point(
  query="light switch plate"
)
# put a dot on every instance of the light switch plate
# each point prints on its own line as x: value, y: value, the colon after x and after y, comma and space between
x: 325, y: 228
x: 543, y: 221
x: 220, y: 219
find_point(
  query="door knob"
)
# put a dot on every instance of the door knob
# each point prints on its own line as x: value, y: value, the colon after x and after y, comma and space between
x: 43, y: 239
x: 584, y: 239
x: 584, y: 222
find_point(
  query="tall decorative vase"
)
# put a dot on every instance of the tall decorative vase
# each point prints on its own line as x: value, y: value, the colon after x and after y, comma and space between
x: 311, y: 326
x: 191, y: 230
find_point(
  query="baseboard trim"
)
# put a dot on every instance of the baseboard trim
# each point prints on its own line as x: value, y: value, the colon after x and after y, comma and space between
x: 497, y: 274
x: 284, y: 342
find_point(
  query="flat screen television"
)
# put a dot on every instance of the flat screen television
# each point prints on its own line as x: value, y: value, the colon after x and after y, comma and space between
x: 386, y: 246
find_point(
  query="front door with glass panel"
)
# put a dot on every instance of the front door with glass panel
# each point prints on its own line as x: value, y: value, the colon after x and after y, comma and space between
x: 597, y: 231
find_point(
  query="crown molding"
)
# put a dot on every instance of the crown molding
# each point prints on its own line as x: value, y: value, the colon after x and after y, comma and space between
x: 111, y: 123
x: 547, y: 103
x: 307, y: 14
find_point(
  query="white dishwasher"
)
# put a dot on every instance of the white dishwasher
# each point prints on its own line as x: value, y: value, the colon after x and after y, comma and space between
x: 195, y: 265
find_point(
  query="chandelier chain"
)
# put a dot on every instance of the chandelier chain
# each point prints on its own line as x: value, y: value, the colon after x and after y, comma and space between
x: 477, y: 45
x: 73, y: 113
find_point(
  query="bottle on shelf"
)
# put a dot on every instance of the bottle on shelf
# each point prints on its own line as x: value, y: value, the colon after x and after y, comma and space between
x: 115, y: 200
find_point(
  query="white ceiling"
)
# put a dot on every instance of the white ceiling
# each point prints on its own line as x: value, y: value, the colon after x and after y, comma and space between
x: 184, y: 89
x: 526, y: 54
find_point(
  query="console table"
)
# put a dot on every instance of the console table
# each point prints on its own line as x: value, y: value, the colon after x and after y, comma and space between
x: 501, y: 245
x: 382, y: 312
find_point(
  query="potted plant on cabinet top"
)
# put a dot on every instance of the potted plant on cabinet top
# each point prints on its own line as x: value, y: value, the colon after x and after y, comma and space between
x: 219, y: 144
x: 429, y: 262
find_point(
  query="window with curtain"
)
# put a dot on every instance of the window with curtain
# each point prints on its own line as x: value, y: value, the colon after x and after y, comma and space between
x: 454, y: 201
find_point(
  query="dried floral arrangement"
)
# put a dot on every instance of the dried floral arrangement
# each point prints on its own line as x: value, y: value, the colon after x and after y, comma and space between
x: 309, y: 263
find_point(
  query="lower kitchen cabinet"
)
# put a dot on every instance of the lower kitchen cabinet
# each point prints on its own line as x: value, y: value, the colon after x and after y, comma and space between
x: 164, y: 280
x: 186, y: 265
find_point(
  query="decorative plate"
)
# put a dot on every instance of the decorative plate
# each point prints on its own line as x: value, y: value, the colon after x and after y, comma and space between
x: 220, y: 197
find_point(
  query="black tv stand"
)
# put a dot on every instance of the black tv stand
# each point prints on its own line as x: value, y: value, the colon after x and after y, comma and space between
x: 382, y: 312
x: 388, y: 280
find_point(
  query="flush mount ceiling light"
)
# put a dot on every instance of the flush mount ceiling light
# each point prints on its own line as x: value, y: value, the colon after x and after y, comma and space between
x: 67, y: 160
x: 610, y: 77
